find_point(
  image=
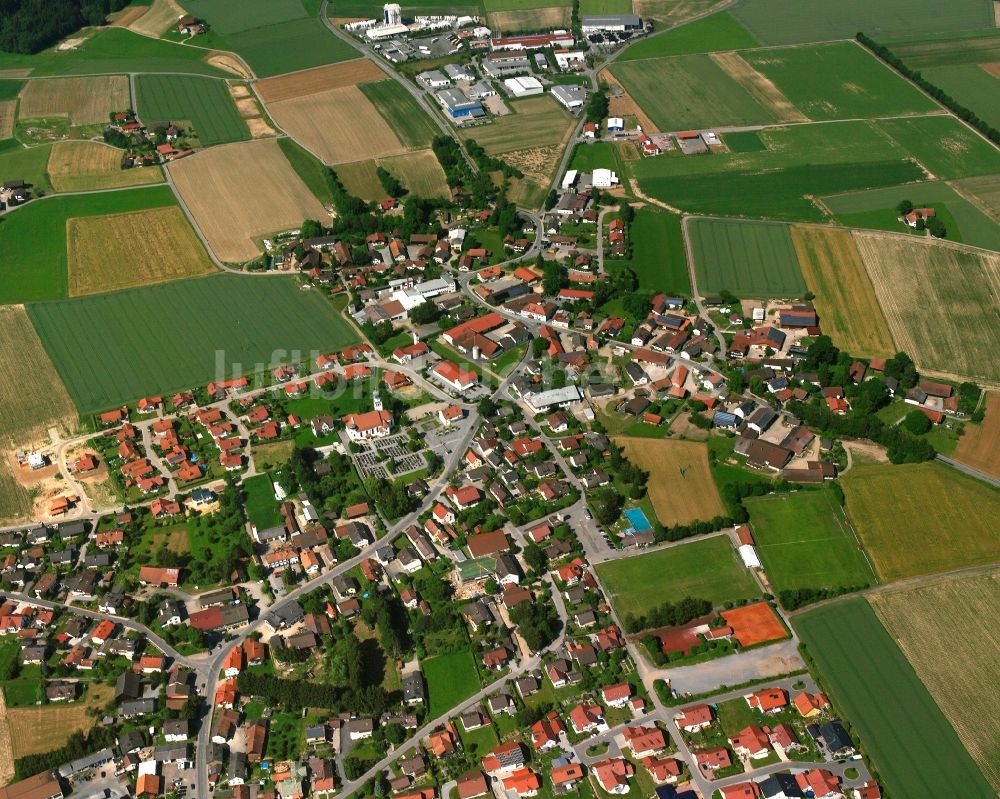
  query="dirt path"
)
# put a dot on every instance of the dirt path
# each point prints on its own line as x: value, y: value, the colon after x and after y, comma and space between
x: 6, y: 748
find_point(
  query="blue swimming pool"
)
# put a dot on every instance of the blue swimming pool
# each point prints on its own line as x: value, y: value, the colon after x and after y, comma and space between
x: 638, y: 520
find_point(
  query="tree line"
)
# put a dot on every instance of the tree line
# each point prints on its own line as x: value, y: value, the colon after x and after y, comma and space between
x: 669, y: 614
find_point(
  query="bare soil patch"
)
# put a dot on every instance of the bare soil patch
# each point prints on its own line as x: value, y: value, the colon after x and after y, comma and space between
x: 311, y: 81
x: 238, y: 90
x: 125, y: 17
x: 760, y: 88
x: 230, y: 63
x: 259, y: 129
x: 247, y: 108
x: 994, y: 66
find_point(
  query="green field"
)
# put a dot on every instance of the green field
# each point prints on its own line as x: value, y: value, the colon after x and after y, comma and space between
x: 780, y: 22
x: 597, y: 7
x: 914, y: 748
x: 259, y: 503
x: 980, y: 47
x: 33, y: 238
x: 876, y: 209
x: 804, y: 541
x: 110, y: 349
x: 9, y: 89
x: 450, y: 679
x: 203, y: 102
x: 750, y: 259
x: 710, y: 34
x: 688, y: 91
x: 970, y: 85
x: 521, y: 5
x: 658, y: 255
x: 945, y: 146
x: 403, y: 113
x: 114, y: 50
x: 707, y: 569
x: 29, y: 164
x: 308, y: 167
x: 233, y: 16
x: 838, y: 81
x: 289, y: 46
x: 373, y: 8
x: 747, y: 141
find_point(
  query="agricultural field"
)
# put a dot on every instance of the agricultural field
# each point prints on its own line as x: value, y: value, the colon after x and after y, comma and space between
x: 159, y: 16
x: 976, y: 86
x: 750, y: 259
x: 659, y: 259
x: 202, y: 105
x: 965, y: 222
x: 940, y: 301
x: 85, y: 101
x: 93, y: 341
x: 845, y: 300
x: 451, y: 678
x: 536, y: 122
x: 944, y: 145
x: 871, y: 682
x: 403, y: 113
x: 90, y: 166
x: 985, y: 191
x: 8, y: 112
x: 805, y: 541
x: 233, y: 16
x: 707, y: 569
x: 108, y: 253
x: 310, y: 81
x: 777, y: 22
x: 689, y: 91
x: 308, y: 167
x: 28, y: 163
x: 289, y: 46
x: 33, y: 239
x: 982, y: 47
x: 673, y: 12
x: 838, y: 81
x: 530, y: 19
x: 680, y: 485
x: 709, y: 34
x: 979, y: 447
x: 759, y: 87
x: 419, y: 172
x: 233, y: 205
x: 40, y: 729
x: 960, y: 616
x: 917, y: 519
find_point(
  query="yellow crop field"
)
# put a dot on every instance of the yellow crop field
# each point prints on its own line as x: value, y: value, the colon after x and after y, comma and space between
x: 118, y: 251
x: 680, y: 485
x: 949, y: 630
x: 845, y: 299
x: 89, y: 165
x: 86, y: 101
x: 238, y: 192
x: 8, y: 110
x: 310, y: 81
x: 161, y: 15
x: 41, y: 729
x: 922, y: 518
x: 532, y: 19
x: 420, y: 172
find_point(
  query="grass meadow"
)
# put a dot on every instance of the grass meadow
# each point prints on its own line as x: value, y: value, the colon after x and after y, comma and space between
x: 30, y: 164
x: 709, y: 34
x: 451, y: 678
x: 289, y: 46
x: 659, y: 259
x: 403, y: 113
x: 972, y: 86
x: 750, y: 259
x: 872, y: 683
x: 203, y: 102
x: 110, y: 349
x: 944, y: 145
x: 308, y: 167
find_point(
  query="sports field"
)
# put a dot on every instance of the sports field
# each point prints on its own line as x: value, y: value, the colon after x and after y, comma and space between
x: 710, y: 34
x: 86, y: 101
x: 689, y: 91
x: 958, y: 616
x: 537, y: 122
x: 88, y: 166
x: 804, y: 541
x: 451, y: 678
x: 107, y: 253
x: 203, y: 102
x: 419, y: 172
x: 233, y: 204
x: 707, y: 569
x: 750, y: 259
x: 112, y: 348
x: 838, y: 81
x: 33, y: 239
x: 845, y: 300
x: 976, y: 86
x: 778, y: 22
x: 917, y: 519
x: 979, y: 447
x: 405, y: 116
x: 914, y: 748
x: 944, y: 145
x: 940, y: 301
x: 680, y: 483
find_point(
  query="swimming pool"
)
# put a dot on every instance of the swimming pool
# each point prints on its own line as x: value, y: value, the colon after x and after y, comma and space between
x: 637, y: 518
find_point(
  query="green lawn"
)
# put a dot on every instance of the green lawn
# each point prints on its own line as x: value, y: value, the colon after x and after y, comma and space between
x: 838, y: 81
x: 750, y: 259
x: 479, y: 743
x: 113, y: 348
x: 403, y: 113
x: 709, y: 34
x: 914, y: 748
x: 204, y: 102
x: 29, y: 164
x: 734, y: 715
x: 33, y: 238
x: 259, y: 502
x: 708, y: 569
x: 658, y: 258
x: 945, y: 146
x: 451, y: 678
x: 27, y: 689
x: 308, y: 167
x: 804, y: 541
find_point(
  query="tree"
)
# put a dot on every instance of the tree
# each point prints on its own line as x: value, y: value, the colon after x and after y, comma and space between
x: 606, y: 503
x: 534, y: 556
x: 553, y: 278
x: 936, y: 227
x: 310, y: 229
x: 904, y: 207
x: 424, y: 314
x: 917, y: 422
x: 390, y: 182
x: 486, y: 407
x: 538, y: 346
x: 901, y: 367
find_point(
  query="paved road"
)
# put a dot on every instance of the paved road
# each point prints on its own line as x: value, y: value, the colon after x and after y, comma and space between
x: 969, y: 470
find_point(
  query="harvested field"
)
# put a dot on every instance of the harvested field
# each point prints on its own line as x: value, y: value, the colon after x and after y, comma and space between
x: 87, y: 165
x: 311, y: 81
x: 420, y: 172
x: 985, y: 191
x: 537, y: 122
x: 160, y: 16
x: 247, y: 108
x: 529, y: 20
x: 86, y: 101
x: 128, y: 15
x: 960, y: 617
x: 759, y: 87
x: 673, y: 11
x: 834, y: 272
x: 980, y: 446
x: 106, y: 254
x: 680, y: 482
x: 41, y: 729
x: 6, y: 745
x: 8, y: 110
x: 755, y: 624
x: 338, y: 125
x: 233, y: 205
x: 230, y: 63
x: 940, y: 301
x: 623, y: 105
x: 917, y: 519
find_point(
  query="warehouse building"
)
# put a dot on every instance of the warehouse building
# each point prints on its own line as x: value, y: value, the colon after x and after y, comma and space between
x: 572, y: 97
x: 523, y: 87
x: 612, y: 23
x: 458, y: 106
